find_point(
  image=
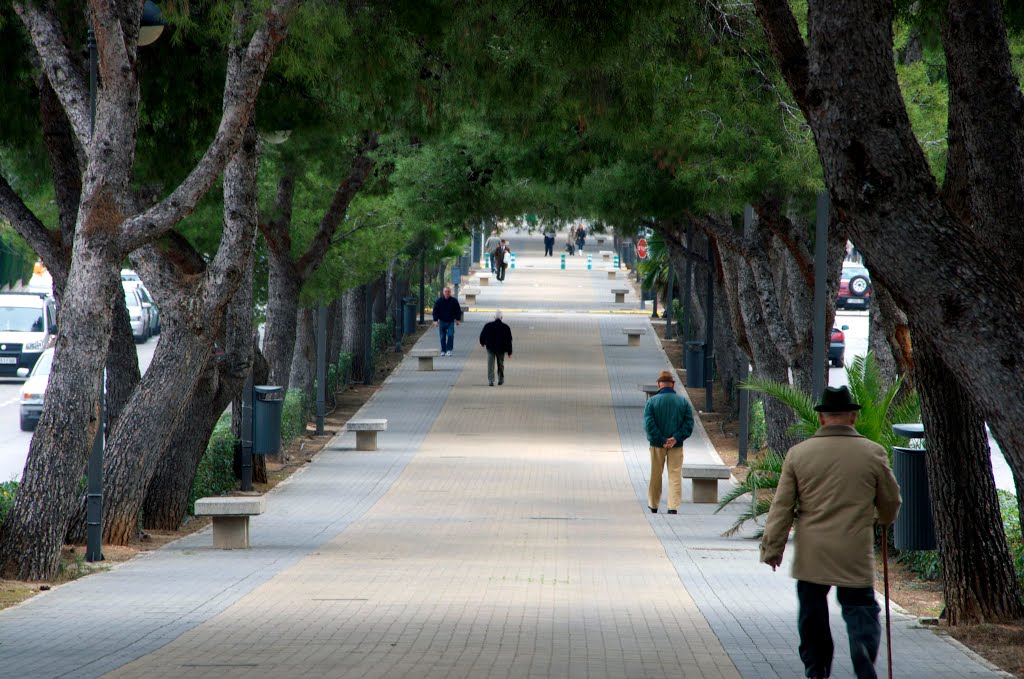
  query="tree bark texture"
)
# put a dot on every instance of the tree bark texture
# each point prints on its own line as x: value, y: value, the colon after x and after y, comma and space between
x: 352, y: 333
x: 877, y: 175
x: 980, y: 583
x: 303, y: 371
x: 889, y: 337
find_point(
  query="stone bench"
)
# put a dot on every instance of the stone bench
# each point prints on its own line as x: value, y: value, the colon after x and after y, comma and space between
x: 705, y: 480
x: 426, y: 358
x: 620, y: 295
x: 231, y: 518
x: 611, y: 274
x: 650, y: 389
x: 366, y: 432
x: 633, y: 336
x: 606, y: 255
x: 484, y: 279
x: 470, y: 295
x: 600, y: 239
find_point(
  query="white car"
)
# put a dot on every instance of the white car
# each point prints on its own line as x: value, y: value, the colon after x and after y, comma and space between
x: 28, y: 326
x: 138, y: 314
x: 33, y: 390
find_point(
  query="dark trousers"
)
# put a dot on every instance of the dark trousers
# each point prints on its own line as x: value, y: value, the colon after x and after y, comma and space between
x: 501, y: 272
x: 862, y: 627
x: 549, y: 246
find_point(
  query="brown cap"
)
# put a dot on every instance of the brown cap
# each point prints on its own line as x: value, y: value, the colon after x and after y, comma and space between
x: 666, y: 376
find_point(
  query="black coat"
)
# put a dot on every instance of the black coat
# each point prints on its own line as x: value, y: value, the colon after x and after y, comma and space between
x: 497, y: 337
x: 447, y: 310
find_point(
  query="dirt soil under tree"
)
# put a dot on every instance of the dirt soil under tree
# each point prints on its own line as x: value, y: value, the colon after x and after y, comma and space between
x: 1002, y: 645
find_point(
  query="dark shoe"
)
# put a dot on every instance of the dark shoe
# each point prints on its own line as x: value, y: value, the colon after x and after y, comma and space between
x: 672, y: 511
x: 490, y: 384
x: 501, y: 382
x: 654, y: 510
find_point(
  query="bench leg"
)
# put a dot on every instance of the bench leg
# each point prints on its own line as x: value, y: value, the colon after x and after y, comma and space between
x: 611, y: 274
x: 484, y: 282
x: 705, y: 491
x: 470, y: 299
x: 231, y: 532
x: 426, y: 363
x: 633, y: 340
x: 366, y: 440
x: 620, y: 298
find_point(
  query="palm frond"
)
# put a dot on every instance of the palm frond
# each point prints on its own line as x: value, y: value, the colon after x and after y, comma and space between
x: 798, y: 401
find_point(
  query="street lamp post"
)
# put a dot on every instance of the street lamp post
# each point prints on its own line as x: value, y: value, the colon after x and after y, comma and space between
x: 151, y: 26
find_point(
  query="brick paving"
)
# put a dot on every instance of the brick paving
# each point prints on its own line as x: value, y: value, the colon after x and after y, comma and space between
x: 497, y: 532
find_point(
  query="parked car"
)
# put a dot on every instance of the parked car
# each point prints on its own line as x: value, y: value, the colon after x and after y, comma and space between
x: 138, y: 314
x: 41, y: 281
x: 28, y: 326
x: 33, y: 390
x: 854, y: 287
x: 147, y: 301
x: 837, y: 348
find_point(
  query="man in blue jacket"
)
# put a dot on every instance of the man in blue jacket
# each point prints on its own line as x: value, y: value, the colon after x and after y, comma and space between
x: 447, y: 314
x: 668, y: 421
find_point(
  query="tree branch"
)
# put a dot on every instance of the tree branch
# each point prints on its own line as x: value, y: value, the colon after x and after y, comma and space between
x: 787, y: 45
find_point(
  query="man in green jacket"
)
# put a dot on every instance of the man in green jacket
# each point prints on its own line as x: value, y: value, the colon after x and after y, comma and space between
x: 668, y: 421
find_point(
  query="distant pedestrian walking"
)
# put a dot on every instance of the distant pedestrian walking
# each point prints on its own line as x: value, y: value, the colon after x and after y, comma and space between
x: 497, y: 338
x: 493, y: 241
x: 501, y: 259
x: 447, y: 314
x: 549, y: 243
x: 839, y: 480
x: 581, y: 238
x: 668, y: 421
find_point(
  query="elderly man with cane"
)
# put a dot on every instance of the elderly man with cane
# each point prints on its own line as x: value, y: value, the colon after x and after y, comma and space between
x: 835, y: 486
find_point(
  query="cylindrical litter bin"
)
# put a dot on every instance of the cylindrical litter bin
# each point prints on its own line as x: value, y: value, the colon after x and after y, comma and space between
x: 267, y: 411
x: 695, y: 364
x: 914, y: 527
x: 409, y: 317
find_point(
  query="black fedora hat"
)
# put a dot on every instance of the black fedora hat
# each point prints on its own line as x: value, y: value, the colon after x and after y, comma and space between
x: 837, y: 400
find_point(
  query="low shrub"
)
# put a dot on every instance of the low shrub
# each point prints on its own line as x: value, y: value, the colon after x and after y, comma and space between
x: 8, y: 489
x: 758, y: 428
x: 344, y: 369
x: 293, y: 421
x: 383, y: 336
x: 216, y: 472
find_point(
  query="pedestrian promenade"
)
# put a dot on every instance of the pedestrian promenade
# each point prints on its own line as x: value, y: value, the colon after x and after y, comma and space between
x: 497, y: 532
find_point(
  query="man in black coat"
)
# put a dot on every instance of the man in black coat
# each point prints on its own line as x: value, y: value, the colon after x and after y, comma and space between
x: 497, y: 337
x: 447, y: 314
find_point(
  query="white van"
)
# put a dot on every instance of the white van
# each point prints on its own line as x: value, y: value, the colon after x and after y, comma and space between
x: 28, y: 327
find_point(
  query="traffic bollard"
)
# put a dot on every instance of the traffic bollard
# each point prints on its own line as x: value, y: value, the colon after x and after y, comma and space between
x: 513, y: 265
x: 616, y: 261
x: 590, y: 263
x: 563, y: 260
x: 487, y: 261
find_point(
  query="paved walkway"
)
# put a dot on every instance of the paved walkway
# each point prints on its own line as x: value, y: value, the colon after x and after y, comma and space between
x: 498, y: 532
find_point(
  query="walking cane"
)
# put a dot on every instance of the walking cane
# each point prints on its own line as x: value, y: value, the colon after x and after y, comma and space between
x: 885, y: 579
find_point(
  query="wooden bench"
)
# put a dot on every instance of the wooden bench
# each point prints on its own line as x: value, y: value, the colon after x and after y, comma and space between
x: 633, y: 336
x: 611, y: 274
x: 470, y: 295
x: 366, y: 432
x: 484, y: 279
x: 705, y: 480
x: 620, y: 295
x: 606, y: 255
x: 426, y: 358
x: 231, y: 518
x: 650, y: 389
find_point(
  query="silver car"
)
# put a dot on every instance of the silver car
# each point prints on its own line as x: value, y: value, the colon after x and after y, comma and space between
x: 33, y: 390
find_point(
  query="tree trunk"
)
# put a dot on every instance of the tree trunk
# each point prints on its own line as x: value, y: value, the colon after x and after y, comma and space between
x: 980, y: 583
x: 889, y: 336
x: 123, y: 373
x: 354, y: 329
x: 282, y: 309
x: 303, y: 370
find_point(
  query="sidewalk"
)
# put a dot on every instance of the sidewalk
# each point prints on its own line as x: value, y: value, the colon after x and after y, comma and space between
x: 498, y: 532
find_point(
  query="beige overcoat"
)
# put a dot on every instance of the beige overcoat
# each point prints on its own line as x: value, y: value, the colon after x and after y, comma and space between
x: 832, y: 484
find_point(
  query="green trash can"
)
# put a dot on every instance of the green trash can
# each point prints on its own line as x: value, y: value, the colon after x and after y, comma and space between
x: 695, y: 364
x: 914, y: 528
x: 267, y: 412
x: 409, y: 317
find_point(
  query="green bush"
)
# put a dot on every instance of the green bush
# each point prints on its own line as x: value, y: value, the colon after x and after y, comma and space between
x: 8, y: 489
x: 758, y: 428
x: 216, y: 472
x: 925, y: 564
x: 293, y: 421
x: 383, y: 337
x: 344, y: 369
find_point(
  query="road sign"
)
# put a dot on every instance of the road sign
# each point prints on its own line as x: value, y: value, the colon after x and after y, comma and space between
x: 641, y: 248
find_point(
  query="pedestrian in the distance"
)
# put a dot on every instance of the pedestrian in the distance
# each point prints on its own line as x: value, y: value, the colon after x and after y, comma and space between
x: 581, y: 239
x: 832, y: 485
x: 447, y: 314
x: 501, y: 259
x: 549, y: 243
x: 497, y: 338
x: 493, y: 241
x: 668, y: 421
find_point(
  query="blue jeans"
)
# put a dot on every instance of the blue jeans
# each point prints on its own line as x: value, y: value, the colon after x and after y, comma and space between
x: 447, y: 331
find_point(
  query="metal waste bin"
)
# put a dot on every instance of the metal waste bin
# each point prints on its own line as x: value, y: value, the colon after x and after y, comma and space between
x: 695, y: 364
x: 267, y: 411
x: 409, y: 317
x: 914, y: 528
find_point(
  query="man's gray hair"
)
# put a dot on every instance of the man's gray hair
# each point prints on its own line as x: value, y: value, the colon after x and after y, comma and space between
x: 497, y: 315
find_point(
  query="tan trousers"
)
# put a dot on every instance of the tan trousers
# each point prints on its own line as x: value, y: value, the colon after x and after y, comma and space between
x: 674, y: 457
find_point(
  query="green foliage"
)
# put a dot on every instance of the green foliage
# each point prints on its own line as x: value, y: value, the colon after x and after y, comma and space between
x: 924, y: 563
x: 763, y: 474
x: 16, y: 257
x: 8, y: 489
x: 383, y: 337
x: 216, y: 472
x: 758, y: 427
x: 295, y: 416
x: 1012, y: 526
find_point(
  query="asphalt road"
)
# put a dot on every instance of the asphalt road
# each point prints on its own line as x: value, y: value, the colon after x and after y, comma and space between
x: 14, y: 443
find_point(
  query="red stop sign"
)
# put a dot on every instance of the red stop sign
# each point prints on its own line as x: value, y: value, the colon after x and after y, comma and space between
x: 641, y: 248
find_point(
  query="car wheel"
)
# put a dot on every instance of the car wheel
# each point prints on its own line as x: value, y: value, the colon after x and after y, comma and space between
x: 858, y: 286
x: 27, y: 424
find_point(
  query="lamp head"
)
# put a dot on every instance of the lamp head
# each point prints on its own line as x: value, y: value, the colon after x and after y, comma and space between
x: 151, y: 25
